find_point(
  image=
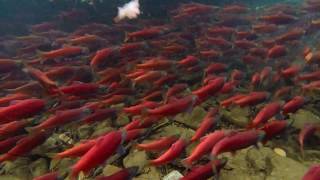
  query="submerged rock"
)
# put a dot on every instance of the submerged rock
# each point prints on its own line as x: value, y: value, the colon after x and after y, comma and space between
x: 39, y: 167
x: 302, y: 117
x: 194, y: 119
x: 238, y: 116
x: 122, y: 120
x: 63, y: 165
x: 262, y: 163
x: 110, y: 169
x: 148, y: 173
x: 173, y: 175
x: 18, y: 168
x: 136, y: 158
x: 84, y: 131
x: 174, y: 130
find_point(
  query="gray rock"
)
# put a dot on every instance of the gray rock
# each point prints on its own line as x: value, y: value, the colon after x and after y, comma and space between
x: 84, y: 131
x: 110, y: 169
x: 101, y: 127
x: 302, y: 117
x: 18, y: 168
x: 262, y: 163
x: 194, y: 119
x: 63, y: 165
x: 174, y: 130
x: 237, y: 115
x: 39, y: 167
x: 122, y: 120
x: 135, y: 158
x: 148, y: 173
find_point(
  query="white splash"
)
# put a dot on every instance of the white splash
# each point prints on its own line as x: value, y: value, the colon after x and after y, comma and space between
x: 130, y: 10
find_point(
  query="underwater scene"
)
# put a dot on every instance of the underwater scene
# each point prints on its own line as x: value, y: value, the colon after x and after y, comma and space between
x: 159, y: 90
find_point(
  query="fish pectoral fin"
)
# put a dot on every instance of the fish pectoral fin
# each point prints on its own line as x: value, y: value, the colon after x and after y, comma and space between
x: 121, y: 150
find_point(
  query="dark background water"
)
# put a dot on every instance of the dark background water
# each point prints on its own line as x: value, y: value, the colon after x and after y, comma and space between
x: 16, y: 14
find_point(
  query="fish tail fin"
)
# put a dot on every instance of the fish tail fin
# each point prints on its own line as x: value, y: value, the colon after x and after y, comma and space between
x: 187, y: 163
x: 302, y: 151
x: 127, y: 37
x: 6, y: 157
x: 31, y: 129
x: 250, y: 126
x: 54, y: 156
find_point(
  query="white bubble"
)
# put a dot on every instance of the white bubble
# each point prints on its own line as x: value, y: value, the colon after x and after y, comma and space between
x: 130, y: 10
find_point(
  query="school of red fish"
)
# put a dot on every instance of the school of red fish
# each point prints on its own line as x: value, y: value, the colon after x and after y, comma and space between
x: 227, y: 56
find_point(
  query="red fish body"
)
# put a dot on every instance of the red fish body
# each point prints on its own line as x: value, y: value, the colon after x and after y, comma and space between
x: 236, y: 75
x: 227, y: 102
x: 283, y: 91
x: 63, y: 52
x: 105, y: 147
x: 25, y: 145
x: 221, y: 31
x: 244, y: 44
x: 279, y: 18
x: 307, y: 131
x: 134, y: 134
x: 174, y: 108
x: 252, y: 99
x: 143, y: 123
x: 274, y: 128
x: 293, y: 105
x: 175, y: 89
x: 77, y: 150
x: 31, y: 88
x: 210, y: 89
x: 313, y: 173
x: 294, y: 34
x: 7, y: 144
x: 156, y: 64
x: 228, y: 87
x: 144, y: 34
x: 101, y: 56
x: 137, y: 109
x: 79, y: 89
x: 204, y: 146
x: 255, y: 79
x: 127, y: 48
x: 309, y: 76
x: 277, y: 51
x: 12, y: 127
x: 265, y: 73
x: 174, y: 151
x: 48, y: 176
x: 265, y: 114
x: 264, y: 28
x: 124, y: 174
x: 215, y: 68
x: 219, y: 42
x: 41, y: 77
x: 290, y: 71
x: 204, y: 172
x: 8, y: 65
x: 207, y: 122
x: 99, y: 115
x: 158, y: 144
x: 169, y: 78
x: 236, y: 141
x: 62, y: 117
x: 188, y: 61
x: 148, y: 77
x: 22, y: 109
